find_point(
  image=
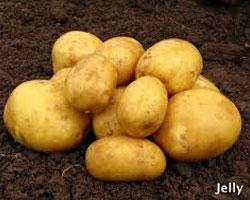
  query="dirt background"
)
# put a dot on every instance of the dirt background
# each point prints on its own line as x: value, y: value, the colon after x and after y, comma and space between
x: 28, y: 30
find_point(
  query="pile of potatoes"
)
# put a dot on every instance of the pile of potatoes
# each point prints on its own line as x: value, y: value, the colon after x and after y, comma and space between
x: 140, y: 103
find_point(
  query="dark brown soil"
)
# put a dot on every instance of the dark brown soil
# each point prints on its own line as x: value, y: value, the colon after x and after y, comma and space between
x: 28, y: 30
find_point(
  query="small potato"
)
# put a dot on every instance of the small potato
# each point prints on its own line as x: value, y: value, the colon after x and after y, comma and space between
x: 142, y: 107
x: 105, y: 123
x: 123, y: 52
x: 90, y: 84
x: 59, y: 77
x: 199, y: 124
x: 122, y: 158
x: 177, y: 63
x: 203, y: 83
x: 39, y: 117
x: 71, y: 47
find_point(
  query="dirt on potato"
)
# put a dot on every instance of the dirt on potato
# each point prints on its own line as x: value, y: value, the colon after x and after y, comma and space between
x: 29, y: 28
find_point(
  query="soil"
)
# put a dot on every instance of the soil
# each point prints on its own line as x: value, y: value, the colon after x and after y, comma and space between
x: 29, y: 28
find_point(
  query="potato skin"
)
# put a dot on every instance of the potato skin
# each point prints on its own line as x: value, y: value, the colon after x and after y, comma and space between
x: 59, y: 77
x: 176, y: 62
x: 204, y: 83
x: 39, y: 117
x: 122, y: 158
x: 72, y: 47
x: 124, y: 53
x: 142, y: 107
x: 106, y: 123
x: 199, y: 124
x: 90, y: 84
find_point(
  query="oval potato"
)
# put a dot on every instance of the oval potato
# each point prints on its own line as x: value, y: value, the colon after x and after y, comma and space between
x: 199, y: 124
x: 90, y: 84
x: 72, y: 47
x: 39, y: 117
x: 122, y: 158
x: 177, y: 63
x: 59, y: 77
x: 123, y: 52
x: 142, y: 107
x: 105, y: 123
x: 204, y: 83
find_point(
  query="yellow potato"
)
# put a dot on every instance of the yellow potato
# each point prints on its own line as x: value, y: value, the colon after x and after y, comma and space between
x: 199, y: 124
x: 59, y: 77
x: 90, y: 84
x: 204, y: 83
x: 177, y: 63
x: 142, y: 107
x: 39, y: 117
x: 122, y: 158
x: 123, y: 52
x: 105, y: 123
x: 71, y: 47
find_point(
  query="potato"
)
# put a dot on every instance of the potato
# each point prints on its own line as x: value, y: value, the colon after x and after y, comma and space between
x: 90, y: 84
x: 204, y: 83
x: 105, y: 123
x: 123, y: 52
x: 71, y: 47
x: 199, y: 124
x: 39, y: 117
x: 142, y: 107
x: 122, y: 158
x: 177, y: 63
x: 59, y: 77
